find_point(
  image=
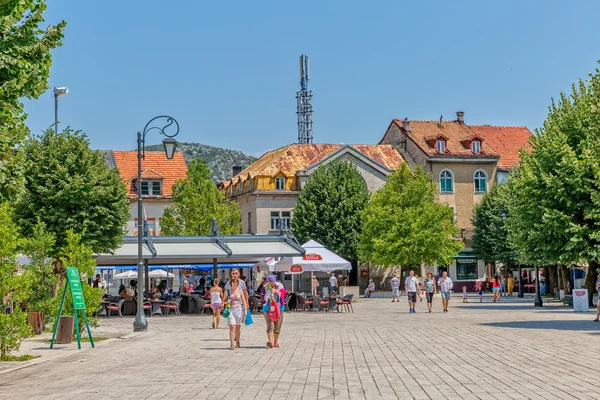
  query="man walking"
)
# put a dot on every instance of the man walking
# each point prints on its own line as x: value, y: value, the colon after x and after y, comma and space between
x: 445, y: 285
x: 412, y: 286
x: 332, y: 284
x: 395, y: 289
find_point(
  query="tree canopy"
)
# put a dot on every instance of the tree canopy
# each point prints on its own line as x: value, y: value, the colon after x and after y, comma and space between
x: 25, y: 61
x: 490, y: 240
x: 197, y: 200
x: 405, y: 226
x: 71, y: 187
x: 329, y: 208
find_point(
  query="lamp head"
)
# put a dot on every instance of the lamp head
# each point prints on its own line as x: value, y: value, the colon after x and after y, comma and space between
x: 60, y: 91
x: 170, y: 144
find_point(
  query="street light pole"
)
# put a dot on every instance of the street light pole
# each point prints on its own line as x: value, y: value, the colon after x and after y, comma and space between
x: 140, y: 323
x: 58, y: 92
x: 538, y: 296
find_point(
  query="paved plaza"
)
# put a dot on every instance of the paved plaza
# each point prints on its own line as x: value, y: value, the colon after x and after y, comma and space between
x: 476, y: 351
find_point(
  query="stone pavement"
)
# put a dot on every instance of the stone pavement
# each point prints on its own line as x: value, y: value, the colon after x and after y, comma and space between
x: 493, y: 351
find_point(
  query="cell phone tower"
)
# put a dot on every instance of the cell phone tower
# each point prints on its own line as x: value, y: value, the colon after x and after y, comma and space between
x: 304, y: 98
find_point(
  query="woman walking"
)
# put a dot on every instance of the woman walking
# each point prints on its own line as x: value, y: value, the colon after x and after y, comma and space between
x: 511, y: 284
x: 238, y: 306
x: 216, y: 302
x: 496, y: 288
x: 430, y: 288
x: 274, y: 293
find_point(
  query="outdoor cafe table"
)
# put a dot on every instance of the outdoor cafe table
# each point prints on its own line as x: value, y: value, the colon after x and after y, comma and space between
x: 156, y: 307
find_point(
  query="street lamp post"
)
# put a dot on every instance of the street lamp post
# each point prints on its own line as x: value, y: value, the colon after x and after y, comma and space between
x: 58, y: 92
x: 538, y: 295
x: 140, y: 323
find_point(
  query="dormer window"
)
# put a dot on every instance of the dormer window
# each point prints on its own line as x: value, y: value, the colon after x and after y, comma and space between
x: 440, y: 146
x: 250, y: 185
x: 241, y: 188
x: 476, y: 146
x: 280, y: 183
x: 151, y: 188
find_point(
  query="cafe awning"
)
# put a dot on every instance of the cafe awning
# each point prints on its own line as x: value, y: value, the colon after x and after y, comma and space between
x: 173, y: 250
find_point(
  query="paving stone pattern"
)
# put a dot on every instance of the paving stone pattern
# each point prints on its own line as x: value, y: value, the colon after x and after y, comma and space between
x: 476, y: 351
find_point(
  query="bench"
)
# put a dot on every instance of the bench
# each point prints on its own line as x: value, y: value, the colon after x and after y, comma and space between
x: 379, y: 294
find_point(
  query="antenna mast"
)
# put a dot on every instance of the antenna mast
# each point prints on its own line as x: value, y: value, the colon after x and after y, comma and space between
x: 304, y: 98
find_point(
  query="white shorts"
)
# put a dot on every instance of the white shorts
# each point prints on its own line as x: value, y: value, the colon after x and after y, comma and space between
x: 396, y: 292
x: 235, y: 316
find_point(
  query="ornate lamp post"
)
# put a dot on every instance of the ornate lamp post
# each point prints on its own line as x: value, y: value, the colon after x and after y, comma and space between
x: 140, y: 323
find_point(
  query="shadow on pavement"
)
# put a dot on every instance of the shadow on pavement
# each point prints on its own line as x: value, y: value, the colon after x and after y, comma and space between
x: 563, y: 325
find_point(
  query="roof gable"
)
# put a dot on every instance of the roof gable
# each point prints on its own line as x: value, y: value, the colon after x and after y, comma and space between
x: 155, y: 165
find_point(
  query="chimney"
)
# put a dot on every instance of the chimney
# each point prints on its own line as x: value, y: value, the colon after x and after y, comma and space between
x: 460, y: 116
x: 237, y: 169
x: 406, y: 125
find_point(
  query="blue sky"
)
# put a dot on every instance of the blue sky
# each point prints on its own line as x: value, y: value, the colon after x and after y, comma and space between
x: 228, y: 70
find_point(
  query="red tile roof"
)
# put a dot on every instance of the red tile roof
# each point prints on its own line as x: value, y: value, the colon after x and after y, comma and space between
x: 506, y: 141
x: 154, y: 166
x: 290, y: 159
x: 457, y: 135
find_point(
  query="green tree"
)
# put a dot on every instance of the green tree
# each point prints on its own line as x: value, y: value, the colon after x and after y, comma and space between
x: 330, y: 206
x: 70, y: 187
x: 39, y: 248
x: 404, y: 224
x: 25, y: 61
x: 79, y: 255
x: 196, y: 202
x: 490, y: 239
x: 14, y: 289
x: 554, y: 216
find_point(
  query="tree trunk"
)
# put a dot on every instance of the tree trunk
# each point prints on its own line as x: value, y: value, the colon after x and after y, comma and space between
x: 590, y: 280
x: 548, y: 280
x: 64, y: 334
x: 565, y: 279
x: 36, y: 320
x: 558, y: 278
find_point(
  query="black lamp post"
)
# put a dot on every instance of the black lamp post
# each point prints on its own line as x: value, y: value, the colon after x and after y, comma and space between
x: 140, y: 323
x: 538, y: 295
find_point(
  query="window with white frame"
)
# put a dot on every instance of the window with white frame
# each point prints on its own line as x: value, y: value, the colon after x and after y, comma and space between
x: 286, y: 217
x: 446, y: 182
x: 249, y: 222
x: 151, y: 188
x: 280, y: 183
x: 480, y: 182
x: 274, y: 220
x: 440, y: 146
x: 476, y: 146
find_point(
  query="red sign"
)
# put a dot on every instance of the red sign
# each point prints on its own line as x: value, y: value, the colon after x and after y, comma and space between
x: 312, y: 257
x: 296, y: 268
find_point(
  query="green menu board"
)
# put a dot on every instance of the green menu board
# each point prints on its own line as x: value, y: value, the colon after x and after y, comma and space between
x: 76, y: 290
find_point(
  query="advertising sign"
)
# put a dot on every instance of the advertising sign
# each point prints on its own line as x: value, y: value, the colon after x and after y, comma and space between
x: 580, y: 300
x: 312, y: 257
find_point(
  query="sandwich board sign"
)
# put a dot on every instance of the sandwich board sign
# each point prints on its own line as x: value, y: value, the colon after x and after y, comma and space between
x: 580, y: 300
x: 73, y: 283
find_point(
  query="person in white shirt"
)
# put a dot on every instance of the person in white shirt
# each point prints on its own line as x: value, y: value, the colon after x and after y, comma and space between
x: 412, y: 287
x: 332, y: 283
x: 445, y: 285
x: 395, y: 289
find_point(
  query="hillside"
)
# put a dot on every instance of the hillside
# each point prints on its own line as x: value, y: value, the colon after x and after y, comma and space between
x: 220, y: 161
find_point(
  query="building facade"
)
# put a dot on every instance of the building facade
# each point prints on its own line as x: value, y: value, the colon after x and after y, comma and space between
x: 464, y: 161
x: 158, y: 176
x: 268, y: 189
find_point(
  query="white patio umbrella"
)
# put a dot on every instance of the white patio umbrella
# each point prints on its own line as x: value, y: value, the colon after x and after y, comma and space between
x: 160, y: 273
x: 316, y: 259
x: 267, y: 263
x: 131, y: 274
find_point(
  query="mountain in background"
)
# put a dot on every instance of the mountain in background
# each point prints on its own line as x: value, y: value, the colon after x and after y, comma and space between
x: 219, y: 161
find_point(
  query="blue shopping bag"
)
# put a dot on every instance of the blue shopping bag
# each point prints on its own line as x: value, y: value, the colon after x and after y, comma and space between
x: 249, y: 320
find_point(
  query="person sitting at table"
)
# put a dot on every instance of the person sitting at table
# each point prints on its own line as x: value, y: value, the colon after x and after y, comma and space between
x: 124, y: 294
x: 370, y: 288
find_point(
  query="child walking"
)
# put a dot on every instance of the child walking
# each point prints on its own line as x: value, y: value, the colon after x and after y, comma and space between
x: 480, y: 293
x: 464, y: 294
